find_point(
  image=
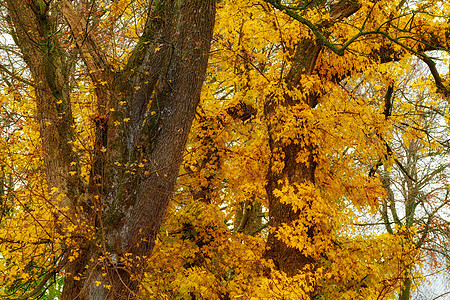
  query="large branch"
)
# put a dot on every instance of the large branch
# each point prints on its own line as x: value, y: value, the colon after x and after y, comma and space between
x: 342, y: 9
x: 93, y: 57
x: 146, y: 65
x: 345, y: 8
x: 307, y: 51
x: 175, y: 100
x: 45, y: 58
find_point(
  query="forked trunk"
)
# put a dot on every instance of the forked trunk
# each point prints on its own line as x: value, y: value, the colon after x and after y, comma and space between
x: 118, y: 213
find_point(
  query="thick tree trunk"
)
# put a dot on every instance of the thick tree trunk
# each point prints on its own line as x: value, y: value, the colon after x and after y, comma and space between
x: 289, y: 259
x: 286, y: 152
x: 132, y: 219
x: 123, y: 205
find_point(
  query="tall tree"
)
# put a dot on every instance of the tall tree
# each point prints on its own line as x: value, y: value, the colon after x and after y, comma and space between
x: 416, y: 185
x: 298, y: 159
x: 144, y: 107
x: 294, y: 160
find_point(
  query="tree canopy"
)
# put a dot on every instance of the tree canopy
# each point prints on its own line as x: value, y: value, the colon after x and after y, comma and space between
x: 202, y: 149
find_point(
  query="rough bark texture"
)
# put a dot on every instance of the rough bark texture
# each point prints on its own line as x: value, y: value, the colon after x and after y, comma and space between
x: 161, y: 85
x: 288, y: 259
x: 50, y: 69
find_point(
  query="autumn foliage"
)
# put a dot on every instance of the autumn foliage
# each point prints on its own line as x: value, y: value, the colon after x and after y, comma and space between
x: 315, y: 167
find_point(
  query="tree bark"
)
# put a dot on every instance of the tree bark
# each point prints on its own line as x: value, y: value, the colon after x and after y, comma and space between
x: 292, y: 260
x: 288, y: 259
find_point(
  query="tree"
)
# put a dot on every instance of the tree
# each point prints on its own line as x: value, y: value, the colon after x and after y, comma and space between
x: 144, y: 101
x: 416, y: 185
x: 302, y: 147
x: 317, y: 137
x: 292, y: 126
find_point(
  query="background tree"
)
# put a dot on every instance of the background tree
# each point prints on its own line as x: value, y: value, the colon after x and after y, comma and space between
x: 416, y: 185
x: 346, y: 131
x: 384, y: 32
